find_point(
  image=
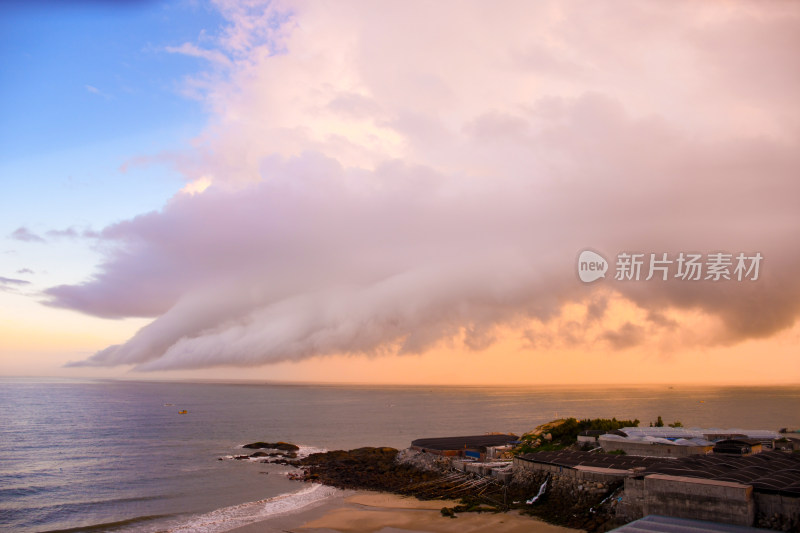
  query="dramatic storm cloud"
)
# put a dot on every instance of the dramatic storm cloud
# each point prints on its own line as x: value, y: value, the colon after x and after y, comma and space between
x: 388, y: 176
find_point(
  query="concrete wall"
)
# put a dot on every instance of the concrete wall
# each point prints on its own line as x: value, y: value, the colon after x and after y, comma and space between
x: 632, y: 505
x: 776, y: 511
x: 578, y: 473
x: 684, y: 497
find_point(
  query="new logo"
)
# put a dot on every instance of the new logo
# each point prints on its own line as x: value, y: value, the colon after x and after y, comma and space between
x: 591, y: 266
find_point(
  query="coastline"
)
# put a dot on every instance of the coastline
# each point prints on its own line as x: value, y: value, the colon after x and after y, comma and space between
x: 351, y: 511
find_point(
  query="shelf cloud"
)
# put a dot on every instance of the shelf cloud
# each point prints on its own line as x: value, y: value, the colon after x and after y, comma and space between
x: 386, y: 177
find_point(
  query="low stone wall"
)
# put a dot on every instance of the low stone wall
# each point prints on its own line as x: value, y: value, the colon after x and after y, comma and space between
x: 571, y: 498
x: 601, y: 475
x: 484, y: 469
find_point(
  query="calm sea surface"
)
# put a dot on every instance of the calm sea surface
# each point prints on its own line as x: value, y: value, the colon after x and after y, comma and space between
x: 116, y: 455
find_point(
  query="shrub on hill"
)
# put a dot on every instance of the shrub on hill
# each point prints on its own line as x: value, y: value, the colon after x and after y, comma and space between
x: 559, y: 434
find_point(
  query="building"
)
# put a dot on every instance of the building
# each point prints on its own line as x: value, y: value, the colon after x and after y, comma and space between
x: 473, y: 446
x: 761, y: 489
x: 738, y: 446
x: 651, y: 446
x: 682, y: 442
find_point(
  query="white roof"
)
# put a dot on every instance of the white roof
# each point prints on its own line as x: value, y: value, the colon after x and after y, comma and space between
x: 698, y: 433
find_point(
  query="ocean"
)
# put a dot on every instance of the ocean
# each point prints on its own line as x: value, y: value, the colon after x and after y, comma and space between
x: 105, y: 455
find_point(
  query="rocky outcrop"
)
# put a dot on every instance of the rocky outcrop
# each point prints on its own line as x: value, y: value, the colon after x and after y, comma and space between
x: 362, y: 468
x: 280, y: 445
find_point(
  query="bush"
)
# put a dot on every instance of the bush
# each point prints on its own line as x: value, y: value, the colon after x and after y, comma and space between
x: 565, y: 433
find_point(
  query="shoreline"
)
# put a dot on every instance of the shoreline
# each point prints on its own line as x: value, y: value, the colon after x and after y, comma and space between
x: 362, y: 511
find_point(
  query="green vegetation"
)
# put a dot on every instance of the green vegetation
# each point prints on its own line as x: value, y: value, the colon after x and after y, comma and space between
x: 448, y: 511
x: 559, y: 434
x: 660, y: 423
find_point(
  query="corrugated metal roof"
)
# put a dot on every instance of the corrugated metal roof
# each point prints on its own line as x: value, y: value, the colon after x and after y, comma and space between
x: 773, y: 472
x: 572, y: 459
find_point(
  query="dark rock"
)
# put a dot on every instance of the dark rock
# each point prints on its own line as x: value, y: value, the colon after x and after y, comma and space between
x: 363, y: 468
x: 280, y: 445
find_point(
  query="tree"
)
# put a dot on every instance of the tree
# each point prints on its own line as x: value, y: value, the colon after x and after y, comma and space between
x: 659, y: 423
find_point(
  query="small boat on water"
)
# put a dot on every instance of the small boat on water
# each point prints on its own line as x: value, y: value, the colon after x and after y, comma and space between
x: 182, y: 412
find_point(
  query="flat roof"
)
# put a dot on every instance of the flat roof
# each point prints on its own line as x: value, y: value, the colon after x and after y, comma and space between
x: 682, y: 432
x: 460, y: 443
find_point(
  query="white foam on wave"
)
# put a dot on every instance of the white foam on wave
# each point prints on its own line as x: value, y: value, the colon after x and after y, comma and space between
x: 235, y: 516
x: 302, y: 453
x: 305, y: 451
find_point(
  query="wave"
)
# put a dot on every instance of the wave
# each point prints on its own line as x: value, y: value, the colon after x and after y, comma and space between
x: 235, y: 516
x: 305, y: 451
x: 108, y: 526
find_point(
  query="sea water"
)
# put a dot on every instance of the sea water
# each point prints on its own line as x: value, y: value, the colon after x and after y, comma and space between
x: 119, y: 456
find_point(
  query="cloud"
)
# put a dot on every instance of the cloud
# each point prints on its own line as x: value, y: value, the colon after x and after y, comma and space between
x: 192, y: 50
x: 69, y: 233
x: 94, y: 90
x: 24, y: 234
x: 11, y: 284
x: 627, y: 336
x: 25, y: 271
x: 12, y: 281
x: 372, y: 193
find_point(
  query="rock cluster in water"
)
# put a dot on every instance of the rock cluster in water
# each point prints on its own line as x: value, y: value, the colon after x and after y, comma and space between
x: 286, y: 451
x: 280, y: 445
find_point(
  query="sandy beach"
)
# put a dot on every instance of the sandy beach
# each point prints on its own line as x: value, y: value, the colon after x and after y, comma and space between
x: 372, y: 512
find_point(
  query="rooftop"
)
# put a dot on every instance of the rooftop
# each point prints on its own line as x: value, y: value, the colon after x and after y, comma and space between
x: 460, y: 443
x: 772, y: 472
x: 572, y: 459
x: 702, y: 433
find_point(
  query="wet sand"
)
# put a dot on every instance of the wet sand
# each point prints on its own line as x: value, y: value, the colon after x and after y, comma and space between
x: 372, y: 512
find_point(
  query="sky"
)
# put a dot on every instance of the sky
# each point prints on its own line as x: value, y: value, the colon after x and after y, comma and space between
x: 399, y: 192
